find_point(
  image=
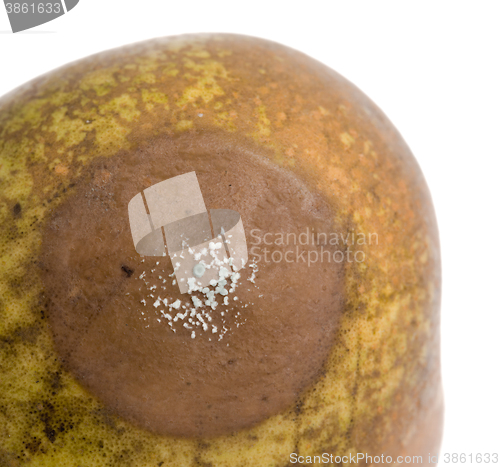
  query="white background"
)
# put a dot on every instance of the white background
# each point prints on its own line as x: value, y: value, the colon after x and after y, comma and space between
x: 435, y: 71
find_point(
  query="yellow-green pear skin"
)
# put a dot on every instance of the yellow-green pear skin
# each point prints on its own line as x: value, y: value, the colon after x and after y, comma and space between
x: 333, y: 358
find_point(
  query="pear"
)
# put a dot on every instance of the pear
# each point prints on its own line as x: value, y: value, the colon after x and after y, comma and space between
x: 324, y: 343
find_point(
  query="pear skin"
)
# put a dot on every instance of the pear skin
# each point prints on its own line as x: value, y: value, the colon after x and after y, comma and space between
x: 352, y: 348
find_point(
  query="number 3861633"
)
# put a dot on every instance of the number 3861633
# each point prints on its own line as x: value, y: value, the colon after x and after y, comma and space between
x: 39, y: 8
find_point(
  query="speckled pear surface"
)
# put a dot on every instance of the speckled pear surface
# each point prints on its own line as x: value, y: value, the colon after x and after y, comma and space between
x: 206, y: 102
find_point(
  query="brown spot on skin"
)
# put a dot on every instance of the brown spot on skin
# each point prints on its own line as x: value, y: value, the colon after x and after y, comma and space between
x: 16, y: 210
x: 33, y: 445
x: 128, y: 271
x: 293, y: 312
x: 28, y: 334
